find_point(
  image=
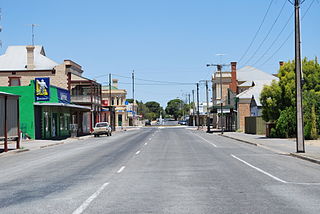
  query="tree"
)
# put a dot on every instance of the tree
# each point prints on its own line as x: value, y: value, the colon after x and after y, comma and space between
x: 174, y: 108
x: 129, y: 100
x: 155, y: 108
x: 278, y: 100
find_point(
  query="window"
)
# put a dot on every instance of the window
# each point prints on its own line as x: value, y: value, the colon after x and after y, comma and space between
x: 14, y: 81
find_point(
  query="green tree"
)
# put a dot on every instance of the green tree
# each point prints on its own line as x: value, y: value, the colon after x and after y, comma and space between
x: 174, y: 108
x: 155, y: 108
x: 278, y: 100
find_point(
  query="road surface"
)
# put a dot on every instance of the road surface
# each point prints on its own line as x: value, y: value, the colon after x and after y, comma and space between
x: 158, y: 170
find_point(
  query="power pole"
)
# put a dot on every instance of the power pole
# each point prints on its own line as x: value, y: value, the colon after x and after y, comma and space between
x: 198, y: 113
x: 193, y: 111
x: 208, y: 118
x: 300, y: 132
x: 219, y: 68
x: 133, y: 107
x: 221, y: 104
x: 111, y: 122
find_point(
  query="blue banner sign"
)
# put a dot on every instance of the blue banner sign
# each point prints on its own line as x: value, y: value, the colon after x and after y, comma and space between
x: 42, y: 89
x: 63, y: 95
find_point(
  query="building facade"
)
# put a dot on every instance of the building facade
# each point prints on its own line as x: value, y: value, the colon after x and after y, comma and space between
x: 114, y: 105
x: 21, y: 64
x: 51, y: 119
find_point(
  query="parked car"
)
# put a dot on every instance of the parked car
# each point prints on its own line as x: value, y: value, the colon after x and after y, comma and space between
x: 182, y: 122
x: 102, y: 128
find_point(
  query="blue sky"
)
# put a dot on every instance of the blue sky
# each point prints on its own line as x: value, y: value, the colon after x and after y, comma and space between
x: 162, y: 40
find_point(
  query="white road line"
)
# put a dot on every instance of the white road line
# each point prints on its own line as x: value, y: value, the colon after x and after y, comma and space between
x: 85, y: 204
x: 207, y: 141
x: 145, y: 144
x: 137, y: 152
x: 149, y: 138
x: 121, y: 169
x: 260, y: 170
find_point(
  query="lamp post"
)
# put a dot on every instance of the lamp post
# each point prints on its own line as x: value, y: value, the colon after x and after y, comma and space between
x: 219, y: 68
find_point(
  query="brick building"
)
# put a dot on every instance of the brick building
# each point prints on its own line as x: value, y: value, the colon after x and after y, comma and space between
x: 236, y: 94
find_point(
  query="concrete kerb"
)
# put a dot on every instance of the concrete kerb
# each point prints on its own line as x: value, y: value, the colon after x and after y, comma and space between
x: 16, y: 151
x: 303, y: 157
x: 244, y: 141
x: 296, y: 155
x: 50, y: 143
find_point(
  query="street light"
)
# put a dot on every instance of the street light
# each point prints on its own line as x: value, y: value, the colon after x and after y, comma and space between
x: 219, y: 68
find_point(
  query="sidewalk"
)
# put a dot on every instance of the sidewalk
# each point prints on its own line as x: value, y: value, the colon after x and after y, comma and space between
x: 28, y: 145
x: 278, y: 145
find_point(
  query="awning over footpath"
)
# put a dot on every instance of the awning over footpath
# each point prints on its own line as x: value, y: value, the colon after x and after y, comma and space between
x: 82, y: 108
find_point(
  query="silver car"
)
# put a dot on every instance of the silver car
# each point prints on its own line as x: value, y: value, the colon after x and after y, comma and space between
x: 102, y: 128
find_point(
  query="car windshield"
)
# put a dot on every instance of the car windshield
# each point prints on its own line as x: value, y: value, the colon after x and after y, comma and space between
x: 101, y: 124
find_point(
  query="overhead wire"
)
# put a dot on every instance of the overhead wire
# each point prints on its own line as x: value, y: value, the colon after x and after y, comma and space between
x: 257, y: 32
x: 288, y: 37
x: 267, y: 35
x: 275, y: 40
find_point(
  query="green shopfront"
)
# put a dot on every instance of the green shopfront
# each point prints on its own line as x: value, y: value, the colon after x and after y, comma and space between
x: 54, y: 118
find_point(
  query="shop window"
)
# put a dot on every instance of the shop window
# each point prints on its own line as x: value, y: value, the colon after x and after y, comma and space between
x: 14, y: 81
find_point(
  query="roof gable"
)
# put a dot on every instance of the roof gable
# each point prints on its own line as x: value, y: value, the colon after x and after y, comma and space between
x: 15, y: 59
x: 249, y: 73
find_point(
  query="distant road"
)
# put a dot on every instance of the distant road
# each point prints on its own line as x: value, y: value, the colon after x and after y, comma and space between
x: 157, y: 170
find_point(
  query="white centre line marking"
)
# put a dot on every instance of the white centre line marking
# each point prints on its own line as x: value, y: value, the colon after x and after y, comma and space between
x: 260, y: 170
x: 137, y: 152
x: 85, y: 204
x: 149, y: 138
x: 145, y: 144
x: 207, y: 141
x: 121, y: 169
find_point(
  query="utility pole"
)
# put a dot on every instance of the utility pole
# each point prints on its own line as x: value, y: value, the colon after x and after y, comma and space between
x: 208, y: 118
x: 111, y: 122
x: 193, y: 111
x: 219, y: 68
x: 189, y: 102
x: 133, y: 109
x: 198, y: 113
x: 298, y: 68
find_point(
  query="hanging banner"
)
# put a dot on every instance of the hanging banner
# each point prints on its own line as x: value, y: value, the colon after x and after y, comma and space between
x: 42, y: 87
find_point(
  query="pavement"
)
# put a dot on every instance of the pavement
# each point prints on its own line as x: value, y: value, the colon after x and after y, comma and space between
x: 28, y: 145
x: 279, y: 145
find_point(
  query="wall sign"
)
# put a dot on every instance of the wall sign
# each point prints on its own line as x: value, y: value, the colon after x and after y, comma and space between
x: 63, y: 95
x: 42, y: 89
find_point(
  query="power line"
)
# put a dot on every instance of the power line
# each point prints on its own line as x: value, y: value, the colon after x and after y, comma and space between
x: 275, y: 40
x: 267, y: 35
x: 157, y: 81
x: 287, y: 38
x: 256, y: 34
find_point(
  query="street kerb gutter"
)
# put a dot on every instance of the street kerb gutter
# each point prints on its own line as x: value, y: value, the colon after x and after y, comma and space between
x: 303, y: 157
x: 244, y: 141
x: 296, y: 155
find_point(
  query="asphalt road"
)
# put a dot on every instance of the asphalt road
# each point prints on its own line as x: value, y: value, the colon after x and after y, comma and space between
x: 158, y: 170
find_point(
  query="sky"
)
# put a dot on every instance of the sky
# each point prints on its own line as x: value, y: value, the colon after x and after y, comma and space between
x: 166, y: 42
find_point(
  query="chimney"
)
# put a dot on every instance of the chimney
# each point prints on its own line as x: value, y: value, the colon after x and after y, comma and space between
x: 233, y: 85
x: 281, y: 63
x: 30, y: 58
x: 115, y: 83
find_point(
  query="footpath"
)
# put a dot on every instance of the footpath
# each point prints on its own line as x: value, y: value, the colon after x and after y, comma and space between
x: 28, y: 145
x: 279, y: 145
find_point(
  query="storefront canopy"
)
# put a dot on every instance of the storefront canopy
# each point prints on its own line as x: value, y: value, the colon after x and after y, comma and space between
x: 78, y: 107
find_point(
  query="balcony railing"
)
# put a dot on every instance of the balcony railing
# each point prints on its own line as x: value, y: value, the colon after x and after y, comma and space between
x: 85, y: 99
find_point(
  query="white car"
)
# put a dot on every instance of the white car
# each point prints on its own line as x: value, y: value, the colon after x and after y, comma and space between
x: 102, y: 128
